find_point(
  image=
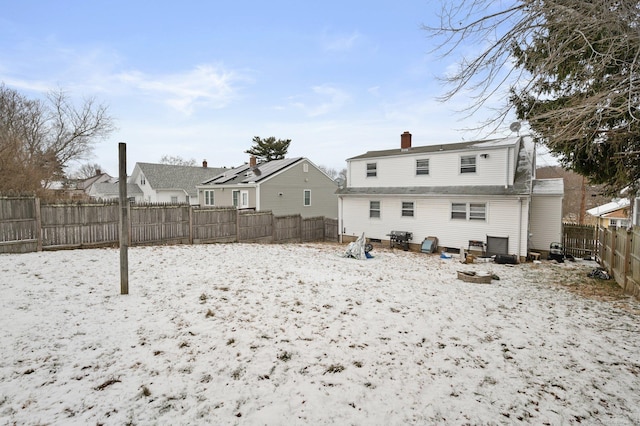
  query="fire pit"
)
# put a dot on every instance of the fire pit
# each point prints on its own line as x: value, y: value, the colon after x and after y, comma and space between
x: 400, y: 238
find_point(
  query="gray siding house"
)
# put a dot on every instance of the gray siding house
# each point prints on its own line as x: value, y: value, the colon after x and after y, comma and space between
x: 287, y: 186
x: 166, y: 183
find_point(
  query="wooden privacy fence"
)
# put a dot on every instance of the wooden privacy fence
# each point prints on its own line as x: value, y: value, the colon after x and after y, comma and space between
x: 19, y: 225
x: 619, y: 254
x: 27, y: 226
x: 580, y: 240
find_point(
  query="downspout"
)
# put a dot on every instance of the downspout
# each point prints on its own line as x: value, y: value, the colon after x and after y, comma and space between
x: 257, y: 197
x: 519, y: 227
x: 506, y: 175
x: 340, y: 218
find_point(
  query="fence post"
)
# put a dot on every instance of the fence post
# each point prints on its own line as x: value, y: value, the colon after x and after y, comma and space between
x: 612, y: 253
x: 190, y: 224
x: 627, y: 259
x: 237, y: 225
x: 36, y: 201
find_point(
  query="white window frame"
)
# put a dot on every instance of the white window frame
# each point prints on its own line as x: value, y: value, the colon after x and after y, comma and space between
x: 422, y: 167
x: 244, y: 199
x: 478, y: 211
x: 306, y: 198
x: 406, y: 210
x: 235, y: 197
x: 375, y: 210
x: 305, y: 168
x: 469, y: 211
x: 143, y: 181
x: 459, y: 211
x: 468, y: 163
x: 174, y: 199
x: 209, y: 197
x: 372, y: 170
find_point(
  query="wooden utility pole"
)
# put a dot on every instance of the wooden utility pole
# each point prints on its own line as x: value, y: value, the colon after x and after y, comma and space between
x: 124, y: 218
x: 583, y: 202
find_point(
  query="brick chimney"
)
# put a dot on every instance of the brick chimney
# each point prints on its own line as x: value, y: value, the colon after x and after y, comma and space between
x: 405, y: 140
x: 204, y: 164
x: 252, y: 161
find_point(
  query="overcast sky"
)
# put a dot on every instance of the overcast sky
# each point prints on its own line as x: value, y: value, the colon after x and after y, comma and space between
x: 200, y: 79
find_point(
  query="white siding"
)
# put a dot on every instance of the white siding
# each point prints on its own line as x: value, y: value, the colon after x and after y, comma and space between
x: 444, y: 169
x: 505, y: 217
x: 545, y: 231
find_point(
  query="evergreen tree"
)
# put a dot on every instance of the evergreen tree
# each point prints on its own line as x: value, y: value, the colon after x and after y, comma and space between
x: 268, y: 149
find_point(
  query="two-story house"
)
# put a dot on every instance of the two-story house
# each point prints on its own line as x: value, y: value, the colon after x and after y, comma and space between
x: 167, y: 183
x: 284, y: 187
x: 460, y: 192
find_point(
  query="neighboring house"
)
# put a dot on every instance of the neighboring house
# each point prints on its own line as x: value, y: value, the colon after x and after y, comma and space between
x: 165, y: 183
x: 86, y: 184
x: 613, y: 214
x: 111, y: 191
x: 288, y: 186
x: 481, y: 191
x: 79, y: 189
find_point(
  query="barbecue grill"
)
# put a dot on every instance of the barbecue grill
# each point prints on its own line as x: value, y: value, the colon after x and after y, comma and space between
x: 400, y: 238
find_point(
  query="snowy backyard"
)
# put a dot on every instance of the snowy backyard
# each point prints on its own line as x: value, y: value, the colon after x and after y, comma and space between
x: 297, y: 334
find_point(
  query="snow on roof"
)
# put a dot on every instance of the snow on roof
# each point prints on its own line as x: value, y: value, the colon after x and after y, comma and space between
x: 609, y: 207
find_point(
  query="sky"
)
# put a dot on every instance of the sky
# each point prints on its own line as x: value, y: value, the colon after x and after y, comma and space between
x: 201, y: 79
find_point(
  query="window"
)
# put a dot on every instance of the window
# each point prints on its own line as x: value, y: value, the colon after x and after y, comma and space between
x: 372, y: 169
x: 407, y: 209
x: 244, y: 199
x: 459, y: 211
x: 307, y: 197
x: 422, y: 167
x: 235, y: 195
x: 208, y: 198
x: 374, y: 209
x: 468, y: 164
x: 142, y: 180
x: 174, y: 200
x: 477, y: 211
x: 305, y: 168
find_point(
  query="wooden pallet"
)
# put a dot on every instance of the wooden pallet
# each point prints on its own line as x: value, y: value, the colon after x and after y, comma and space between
x: 473, y: 277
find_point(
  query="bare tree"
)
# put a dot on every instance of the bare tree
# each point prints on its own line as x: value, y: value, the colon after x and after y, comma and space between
x: 332, y: 173
x: 39, y: 139
x: 88, y: 170
x: 176, y: 160
x: 571, y: 68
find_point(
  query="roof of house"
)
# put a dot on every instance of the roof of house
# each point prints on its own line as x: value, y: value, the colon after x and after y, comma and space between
x: 248, y: 174
x: 458, y: 146
x: 614, y: 205
x: 522, y: 181
x: 84, y: 184
x: 548, y: 186
x: 111, y: 189
x: 167, y: 176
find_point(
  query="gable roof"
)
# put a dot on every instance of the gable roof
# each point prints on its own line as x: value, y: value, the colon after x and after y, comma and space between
x: 458, y: 146
x: 168, y: 176
x: 111, y: 189
x: 522, y: 184
x: 609, y: 207
x: 248, y: 174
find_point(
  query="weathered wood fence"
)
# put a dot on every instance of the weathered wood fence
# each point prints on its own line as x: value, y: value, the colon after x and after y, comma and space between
x: 580, y: 240
x: 619, y: 254
x: 26, y: 225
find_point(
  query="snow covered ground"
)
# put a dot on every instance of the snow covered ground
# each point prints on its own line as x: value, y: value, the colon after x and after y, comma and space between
x: 296, y: 334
